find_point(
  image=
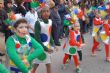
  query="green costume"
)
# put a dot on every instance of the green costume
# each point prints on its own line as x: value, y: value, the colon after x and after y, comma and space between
x: 3, y: 69
x: 43, y: 36
x: 16, y: 54
x: 38, y: 33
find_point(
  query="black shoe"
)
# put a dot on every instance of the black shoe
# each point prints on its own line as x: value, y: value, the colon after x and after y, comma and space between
x: 57, y: 44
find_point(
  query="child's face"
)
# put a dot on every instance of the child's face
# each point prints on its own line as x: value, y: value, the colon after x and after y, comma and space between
x: 70, y: 4
x: 77, y: 27
x: 22, y: 30
x: 45, y: 14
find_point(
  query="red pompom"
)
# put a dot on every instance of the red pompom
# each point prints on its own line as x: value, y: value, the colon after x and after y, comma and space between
x: 17, y: 45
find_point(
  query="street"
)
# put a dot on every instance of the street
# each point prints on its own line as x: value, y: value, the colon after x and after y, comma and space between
x: 88, y: 65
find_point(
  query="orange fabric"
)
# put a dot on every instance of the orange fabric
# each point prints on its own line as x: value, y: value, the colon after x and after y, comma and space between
x: 65, y: 58
x: 107, y: 50
x: 80, y: 14
x: 107, y: 29
x: 76, y: 62
x: 72, y: 40
x: 75, y: 58
x: 95, y: 45
x: 109, y: 21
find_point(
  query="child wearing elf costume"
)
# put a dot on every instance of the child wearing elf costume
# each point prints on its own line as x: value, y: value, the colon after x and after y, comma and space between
x: 43, y: 36
x: 20, y: 47
x: 72, y: 45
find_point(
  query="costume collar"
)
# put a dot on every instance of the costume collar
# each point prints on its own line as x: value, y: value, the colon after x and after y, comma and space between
x: 17, y: 43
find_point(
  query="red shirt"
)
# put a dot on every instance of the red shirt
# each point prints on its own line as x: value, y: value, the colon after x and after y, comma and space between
x: 73, y: 41
x: 97, y: 21
x: 107, y: 27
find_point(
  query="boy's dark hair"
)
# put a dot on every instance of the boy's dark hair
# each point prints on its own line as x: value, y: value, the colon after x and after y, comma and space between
x: 29, y: 6
x: 19, y: 22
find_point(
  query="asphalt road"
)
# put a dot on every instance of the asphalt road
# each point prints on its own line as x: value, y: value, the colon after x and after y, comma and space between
x: 88, y: 65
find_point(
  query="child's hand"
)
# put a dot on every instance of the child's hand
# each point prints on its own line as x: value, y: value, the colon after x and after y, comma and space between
x: 50, y: 50
x: 82, y: 45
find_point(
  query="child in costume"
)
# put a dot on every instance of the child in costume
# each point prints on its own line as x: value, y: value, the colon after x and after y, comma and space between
x: 22, y: 48
x: 105, y: 36
x: 2, y: 50
x: 3, y: 69
x: 72, y: 45
x: 97, y: 25
x: 43, y: 36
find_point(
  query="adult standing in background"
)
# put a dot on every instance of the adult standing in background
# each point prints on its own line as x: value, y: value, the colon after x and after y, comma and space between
x: 56, y: 22
x: 62, y: 11
x: 3, y: 17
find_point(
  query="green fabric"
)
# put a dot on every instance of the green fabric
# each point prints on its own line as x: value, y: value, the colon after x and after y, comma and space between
x: 3, y: 69
x: 66, y: 23
x: 13, y: 55
x: 42, y: 57
x: 37, y: 34
x: 37, y: 52
x: 72, y: 50
x: 7, y: 21
x: 34, y: 4
x: 52, y: 41
x: 93, y: 8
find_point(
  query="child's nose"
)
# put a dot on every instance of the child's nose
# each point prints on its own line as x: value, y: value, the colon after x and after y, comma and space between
x: 25, y: 29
